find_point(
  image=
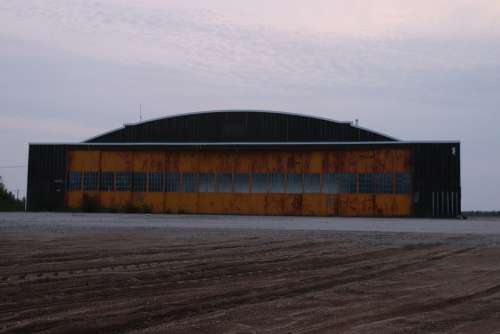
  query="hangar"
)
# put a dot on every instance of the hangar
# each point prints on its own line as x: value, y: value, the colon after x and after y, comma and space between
x: 247, y: 162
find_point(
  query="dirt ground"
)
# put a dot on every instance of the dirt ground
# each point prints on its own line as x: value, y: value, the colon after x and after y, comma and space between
x: 133, y: 279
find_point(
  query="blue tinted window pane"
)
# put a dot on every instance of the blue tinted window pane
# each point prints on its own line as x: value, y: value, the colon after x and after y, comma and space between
x: 189, y: 182
x: 347, y: 183
x: 294, y: 183
x: 139, y: 182
x: 74, y: 181
x: 366, y: 183
x: 276, y: 183
x: 382, y: 183
x: 403, y: 183
x: 123, y: 181
x: 225, y: 183
x: 90, y: 181
x: 241, y: 183
x: 259, y: 183
x: 331, y: 184
x: 312, y: 182
x: 107, y: 181
x: 172, y: 182
x: 206, y: 183
x: 155, y: 182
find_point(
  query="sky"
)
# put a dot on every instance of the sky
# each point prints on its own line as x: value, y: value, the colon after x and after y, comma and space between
x: 417, y: 70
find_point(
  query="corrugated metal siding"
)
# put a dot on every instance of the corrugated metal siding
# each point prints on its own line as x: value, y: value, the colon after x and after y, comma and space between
x: 437, y: 180
x: 239, y: 126
x: 435, y: 169
x: 46, y: 178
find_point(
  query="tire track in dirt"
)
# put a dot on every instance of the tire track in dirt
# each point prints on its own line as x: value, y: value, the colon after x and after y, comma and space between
x: 220, y: 278
x: 196, y: 307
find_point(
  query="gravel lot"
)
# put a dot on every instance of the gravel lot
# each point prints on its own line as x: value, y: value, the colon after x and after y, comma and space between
x: 230, y: 274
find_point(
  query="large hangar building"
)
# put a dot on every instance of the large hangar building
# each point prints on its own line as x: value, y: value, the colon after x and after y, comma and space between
x: 247, y: 162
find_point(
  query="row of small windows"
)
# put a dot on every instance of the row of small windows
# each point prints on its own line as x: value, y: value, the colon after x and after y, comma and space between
x: 330, y: 183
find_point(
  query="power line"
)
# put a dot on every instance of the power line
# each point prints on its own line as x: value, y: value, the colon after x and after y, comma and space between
x: 14, y: 166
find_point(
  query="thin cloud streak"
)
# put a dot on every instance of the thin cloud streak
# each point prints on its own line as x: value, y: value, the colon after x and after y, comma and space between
x: 421, y: 70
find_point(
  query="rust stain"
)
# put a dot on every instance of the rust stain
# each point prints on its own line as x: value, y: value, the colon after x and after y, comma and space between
x: 341, y: 161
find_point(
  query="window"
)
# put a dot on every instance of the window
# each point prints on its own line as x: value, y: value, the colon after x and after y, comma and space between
x: 276, y: 183
x: 107, y: 181
x: 206, y: 183
x: 312, y: 182
x: 382, y: 183
x: 403, y: 183
x: 123, y: 181
x: 90, y: 181
x: 331, y: 183
x: 225, y: 182
x: 189, y: 184
x: 74, y: 181
x: 294, y: 183
x: 241, y: 183
x: 139, y: 182
x: 347, y: 183
x: 366, y: 183
x: 155, y: 182
x: 172, y: 182
x: 259, y: 183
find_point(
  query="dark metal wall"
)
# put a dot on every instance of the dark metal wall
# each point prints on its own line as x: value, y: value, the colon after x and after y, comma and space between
x: 46, y: 178
x: 436, y: 180
x: 239, y: 126
x: 436, y: 172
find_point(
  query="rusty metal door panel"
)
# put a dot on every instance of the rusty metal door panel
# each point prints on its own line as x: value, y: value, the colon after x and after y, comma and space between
x: 208, y: 203
x: 331, y: 162
x: 259, y: 161
x: 171, y: 203
x: 276, y: 162
x: 115, y: 200
x: 210, y: 162
x: 292, y: 204
x: 274, y: 204
x: 403, y: 161
x: 393, y: 205
x: 187, y: 202
x: 357, y: 161
x: 214, y: 203
x: 149, y: 161
x: 153, y: 201
x: 74, y: 199
x: 189, y: 162
x: 117, y: 161
x: 172, y: 161
x: 314, y: 205
x: 294, y: 162
x: 242, y: 162
x: 138, y: 200
x: 384, y: 161
x: 84, y: 161
x: 356, y: 205
x: 332, y: 206
x: 249, y: 204
x: 313, y: 161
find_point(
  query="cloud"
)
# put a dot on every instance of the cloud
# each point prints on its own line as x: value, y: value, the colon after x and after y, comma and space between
x: 415, y: 70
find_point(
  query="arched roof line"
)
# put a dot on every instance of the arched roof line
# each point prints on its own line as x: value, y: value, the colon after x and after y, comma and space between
x: 270, y: 112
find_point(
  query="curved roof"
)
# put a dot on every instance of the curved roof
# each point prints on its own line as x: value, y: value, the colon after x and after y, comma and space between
x: 239, y: 126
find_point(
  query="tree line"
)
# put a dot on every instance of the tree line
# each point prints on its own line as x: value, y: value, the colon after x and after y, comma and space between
x: 8, y: 201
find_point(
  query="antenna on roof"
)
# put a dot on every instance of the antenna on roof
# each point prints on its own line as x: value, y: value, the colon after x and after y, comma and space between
x: 356, y: 122
x: 140, y: 112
